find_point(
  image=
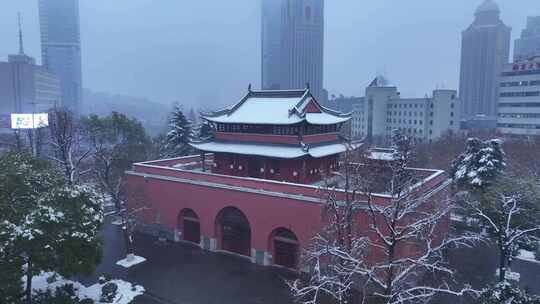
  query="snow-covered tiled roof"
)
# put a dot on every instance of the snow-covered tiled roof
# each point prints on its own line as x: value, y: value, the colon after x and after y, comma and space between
x: 276, y: 107
x: 277, y: 151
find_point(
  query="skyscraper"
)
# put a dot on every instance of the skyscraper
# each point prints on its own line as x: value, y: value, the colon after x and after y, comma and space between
x: 485, y: 48
x: 528, y: 45
x: 61, y: 46
x: 292, y: 45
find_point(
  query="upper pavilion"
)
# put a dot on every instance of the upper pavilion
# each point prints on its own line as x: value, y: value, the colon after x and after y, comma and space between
x: 283, y: 135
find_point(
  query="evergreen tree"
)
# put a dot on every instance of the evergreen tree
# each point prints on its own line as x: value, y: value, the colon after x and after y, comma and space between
x: 193, y: 116
x: 505, y: 293
x: 480, y: 164
x: 46, y: 224
x: 506, y: 207
x: 177, y: 141
x: 116, y: 142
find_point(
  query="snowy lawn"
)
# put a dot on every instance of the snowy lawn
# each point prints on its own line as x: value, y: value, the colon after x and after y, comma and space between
x: 117, y: 221
x: 126, y: 291
x: 131, y: 261
x: 527, y: 256
x: 512, y: 276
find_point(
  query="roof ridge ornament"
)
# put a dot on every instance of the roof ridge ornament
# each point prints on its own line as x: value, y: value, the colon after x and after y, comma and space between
x: 305, y: 147
x: 249, y: 88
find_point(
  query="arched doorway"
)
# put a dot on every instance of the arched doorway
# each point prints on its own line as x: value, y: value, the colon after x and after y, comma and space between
x: 234, y: 231
x: 188, y: 223
x: 285, y: 248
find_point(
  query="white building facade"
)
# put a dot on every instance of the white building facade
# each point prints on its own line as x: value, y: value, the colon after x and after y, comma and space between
x: 519, y: 98
x: 26, y: 87
x: 424, y: 119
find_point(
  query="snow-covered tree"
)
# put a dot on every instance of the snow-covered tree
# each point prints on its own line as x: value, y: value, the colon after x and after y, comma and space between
x: 66, y: 141
x: 180, y: 132
x: 505, y: 293
x: 480, y: 164
x: 506, y: 206
x: 509, y: 212
x: 404, y: 241
x: 193, y: 117
x: 132, y: 213
x: 46, y: 224
x: 116, y: 142
x: 334, y: 257
x: 202, y: 131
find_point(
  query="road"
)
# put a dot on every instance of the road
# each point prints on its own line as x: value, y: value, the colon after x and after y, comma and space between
x: 177, y: 273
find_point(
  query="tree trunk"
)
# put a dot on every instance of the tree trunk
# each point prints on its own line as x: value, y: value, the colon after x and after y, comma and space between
x: 29, y: 282
x: 502, y: 264
x: 390, y: 272
x: 127, y: 237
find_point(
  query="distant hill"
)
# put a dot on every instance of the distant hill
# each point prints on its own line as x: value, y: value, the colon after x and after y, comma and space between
x: 153, y: 115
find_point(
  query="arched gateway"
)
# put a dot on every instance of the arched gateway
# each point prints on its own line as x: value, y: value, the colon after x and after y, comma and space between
x: 188, y: 223
x: 285, y: 248
x: 234, y: 231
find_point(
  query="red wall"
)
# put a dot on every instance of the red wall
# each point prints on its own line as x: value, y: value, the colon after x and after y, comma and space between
x: 287, y: 167
x: 262, y: 138
x: 265, y: 213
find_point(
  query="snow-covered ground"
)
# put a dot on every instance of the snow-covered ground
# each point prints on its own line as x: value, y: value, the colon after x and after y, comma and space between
x: 512, y: 276
x: 126, y: 291
x: 131, y: 261
x: 117, y: 221
x: 527, y: 256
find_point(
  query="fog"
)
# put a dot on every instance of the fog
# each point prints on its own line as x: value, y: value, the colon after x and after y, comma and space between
x: 205, y: 53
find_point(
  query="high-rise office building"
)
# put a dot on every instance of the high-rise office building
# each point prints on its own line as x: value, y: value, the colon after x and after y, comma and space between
x: 528, y: 45
x: 26, y: 87
x: 61, y: 46
x: 519, y: 98
x: 292, y: 45
x: 485, y: 49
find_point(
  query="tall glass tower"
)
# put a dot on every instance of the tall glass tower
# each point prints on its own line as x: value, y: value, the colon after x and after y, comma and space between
x: 528, y: 44
x: 485, y: 48
x: 61, y: 47
x: 292, y: 44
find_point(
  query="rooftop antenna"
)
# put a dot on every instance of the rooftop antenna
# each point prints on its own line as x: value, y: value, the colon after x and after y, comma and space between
x: 21, y: 46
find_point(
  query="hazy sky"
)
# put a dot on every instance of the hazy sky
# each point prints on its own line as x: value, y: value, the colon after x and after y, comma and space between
x: 208, y: 51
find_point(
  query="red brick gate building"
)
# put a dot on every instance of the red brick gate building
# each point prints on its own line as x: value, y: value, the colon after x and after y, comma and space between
x: 255, y: 188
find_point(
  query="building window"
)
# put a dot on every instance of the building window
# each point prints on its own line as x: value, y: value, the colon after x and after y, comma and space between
x: 451, y: 122
x: 520, y: 94
x: 308, y: 13
x: 452, y: 105
x: 275, y: 166
x: 451, y: 114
